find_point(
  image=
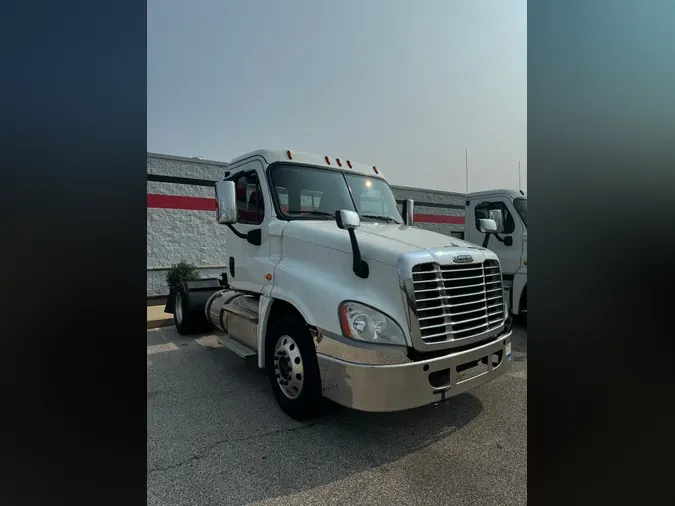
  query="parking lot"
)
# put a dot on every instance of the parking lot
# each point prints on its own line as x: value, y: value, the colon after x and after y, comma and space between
x: 217, y: 437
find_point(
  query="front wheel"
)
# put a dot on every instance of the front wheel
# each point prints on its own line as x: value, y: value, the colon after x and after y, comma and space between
x: 293, y: 369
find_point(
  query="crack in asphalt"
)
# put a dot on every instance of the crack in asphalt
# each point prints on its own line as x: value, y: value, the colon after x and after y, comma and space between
x: 206, y: 450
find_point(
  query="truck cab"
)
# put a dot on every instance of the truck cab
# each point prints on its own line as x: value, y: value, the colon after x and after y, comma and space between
x: 509, y: 210
x: 339, y: 295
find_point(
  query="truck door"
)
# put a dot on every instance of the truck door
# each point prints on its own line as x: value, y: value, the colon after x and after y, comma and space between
x: 509, y: 251
x: 248, y: 263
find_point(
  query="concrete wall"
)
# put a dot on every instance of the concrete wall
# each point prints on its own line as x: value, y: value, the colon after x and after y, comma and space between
x: 440, y: 205
x: 176, y: 235
x: 181, y: 221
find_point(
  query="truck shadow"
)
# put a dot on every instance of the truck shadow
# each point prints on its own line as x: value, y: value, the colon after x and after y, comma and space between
x: 260, y: 454
x: 339, y: 443
x: 344, y: 443
x: 519, y: 339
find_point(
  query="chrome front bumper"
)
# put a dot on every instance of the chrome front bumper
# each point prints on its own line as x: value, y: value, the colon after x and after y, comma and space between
x: 398, y: 387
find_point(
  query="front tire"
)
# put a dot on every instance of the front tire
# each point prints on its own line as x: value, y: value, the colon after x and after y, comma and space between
x: 293, y: 368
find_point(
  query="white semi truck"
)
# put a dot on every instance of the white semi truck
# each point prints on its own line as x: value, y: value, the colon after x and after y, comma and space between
x: 339, y: 296
x: 508, y: 208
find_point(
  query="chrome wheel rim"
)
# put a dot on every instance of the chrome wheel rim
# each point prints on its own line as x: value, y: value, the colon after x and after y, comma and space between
x: 179, y: 308
x: 288, y: 367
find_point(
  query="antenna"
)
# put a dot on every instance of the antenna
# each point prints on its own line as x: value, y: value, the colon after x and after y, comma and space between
x: 466, y: 167
x: 520, y: 186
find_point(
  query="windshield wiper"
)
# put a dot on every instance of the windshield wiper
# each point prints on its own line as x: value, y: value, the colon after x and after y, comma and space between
x: 388, y: 219
x: 318, y: 213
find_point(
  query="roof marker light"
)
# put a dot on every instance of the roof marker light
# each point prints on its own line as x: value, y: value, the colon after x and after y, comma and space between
x: 328, y: 160
x: 376, y: 171
x: 350, y: 164
x: 289, y: 154
x: 338, y: 162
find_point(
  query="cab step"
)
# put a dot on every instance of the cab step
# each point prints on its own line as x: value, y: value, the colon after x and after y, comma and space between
x: 235, y: 346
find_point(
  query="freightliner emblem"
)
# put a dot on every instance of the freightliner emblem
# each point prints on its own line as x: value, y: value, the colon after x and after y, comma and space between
x: 462, y: 259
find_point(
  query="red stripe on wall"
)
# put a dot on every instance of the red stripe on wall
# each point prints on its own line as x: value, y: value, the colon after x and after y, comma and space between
x: 438, y: 218
x: 209, y: 204
x: 180, y: 202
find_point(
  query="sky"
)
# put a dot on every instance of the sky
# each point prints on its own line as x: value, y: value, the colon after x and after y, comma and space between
x: 406, y: 86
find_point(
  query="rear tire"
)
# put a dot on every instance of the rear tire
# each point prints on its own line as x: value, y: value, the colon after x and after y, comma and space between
x: 291, y: 359
x: 188, y: 322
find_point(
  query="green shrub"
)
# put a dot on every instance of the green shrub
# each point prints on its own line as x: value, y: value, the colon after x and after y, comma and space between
x: 182, y: 271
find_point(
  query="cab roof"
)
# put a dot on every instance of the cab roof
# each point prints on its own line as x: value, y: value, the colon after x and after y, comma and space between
x: 286, y: 155
x: 501, y: 191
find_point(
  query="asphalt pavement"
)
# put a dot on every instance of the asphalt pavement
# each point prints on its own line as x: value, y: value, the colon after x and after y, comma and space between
x: 217, y: 437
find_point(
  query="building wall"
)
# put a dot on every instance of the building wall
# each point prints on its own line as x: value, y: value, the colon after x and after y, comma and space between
x: 443, y: 212
x: 175, y: 235
x: 181, y: 216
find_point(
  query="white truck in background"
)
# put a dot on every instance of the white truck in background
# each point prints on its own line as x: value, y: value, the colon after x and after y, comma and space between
x: 339, y: 296
x: 508, y: 208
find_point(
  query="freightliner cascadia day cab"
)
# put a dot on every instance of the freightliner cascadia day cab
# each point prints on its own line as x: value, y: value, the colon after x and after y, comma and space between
x: 339, y: 296
x: 508, y: 208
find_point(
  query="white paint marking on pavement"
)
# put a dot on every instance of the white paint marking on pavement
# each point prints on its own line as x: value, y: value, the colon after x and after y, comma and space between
x: 209, y: 342
x: 160, y: 348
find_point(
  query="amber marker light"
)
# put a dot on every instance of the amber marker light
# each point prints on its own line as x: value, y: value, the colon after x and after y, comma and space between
x: 344, y: 321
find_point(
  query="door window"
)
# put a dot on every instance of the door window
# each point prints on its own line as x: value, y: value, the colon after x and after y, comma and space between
x: 483, y: 212
x: 250, y: 201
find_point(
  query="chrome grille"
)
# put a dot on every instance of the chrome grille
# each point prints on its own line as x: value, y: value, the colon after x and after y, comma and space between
x: 457, y: 301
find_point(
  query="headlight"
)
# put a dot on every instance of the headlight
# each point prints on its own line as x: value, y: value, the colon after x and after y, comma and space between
x: 364, y: 323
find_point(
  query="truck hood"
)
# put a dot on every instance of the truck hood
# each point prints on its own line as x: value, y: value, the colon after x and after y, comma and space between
x: 381, y: 242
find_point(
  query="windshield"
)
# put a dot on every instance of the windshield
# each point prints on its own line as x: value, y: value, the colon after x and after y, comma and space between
x: 305, y: 192
x: 521, y: 207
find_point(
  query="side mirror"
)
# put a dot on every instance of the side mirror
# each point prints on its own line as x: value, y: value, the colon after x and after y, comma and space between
x: 226, y: 198
x: 488, y: 226
x: 497, y: 216
x: 347, y: 220
x: 350, y: 220
x: 408, y: 211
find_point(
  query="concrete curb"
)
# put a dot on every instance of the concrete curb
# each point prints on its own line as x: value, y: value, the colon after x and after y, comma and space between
x: 156, y: 317
x: 155, y: 324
